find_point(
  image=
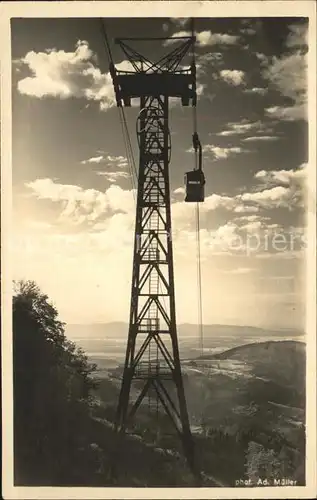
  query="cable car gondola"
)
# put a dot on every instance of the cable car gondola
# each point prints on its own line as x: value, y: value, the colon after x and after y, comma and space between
x: 195, y: 179
x: 195, y: 186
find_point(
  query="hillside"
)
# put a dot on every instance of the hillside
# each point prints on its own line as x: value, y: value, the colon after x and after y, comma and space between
x: 278, y: 363
x: 256, y: 351
x: 254, y: 392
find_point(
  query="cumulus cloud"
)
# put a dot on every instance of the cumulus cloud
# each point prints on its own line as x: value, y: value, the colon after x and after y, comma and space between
x: 80, y: 205
x: 288, y: 75
x: 283, y: 188
x: 215, y: 201
x: 220, y: 153
x: 114, y: 176
x: 93, y: 159
x: 287, y: 113
x: 205, y: 61
x: 77, y: 205
x: 275, y: 197
x: 275, y: 189
x: 57, y: 73
x: 120, y: 161
x: 285, y: 177
x: 206, y: 38
x: 182, y: 211
x: 112, y: 161
x: 230, y: 203
x: 233, y: 76
x: 243, y: 208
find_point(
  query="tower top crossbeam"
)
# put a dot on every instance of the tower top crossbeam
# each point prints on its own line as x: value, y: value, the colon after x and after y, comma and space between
x: 167, y: 76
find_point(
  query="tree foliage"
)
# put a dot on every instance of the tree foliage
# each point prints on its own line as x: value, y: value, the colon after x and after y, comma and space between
x: 262, y: 462
x: 52, y: 385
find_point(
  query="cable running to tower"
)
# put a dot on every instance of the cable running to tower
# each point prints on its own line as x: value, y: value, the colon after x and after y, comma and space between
x: 195, y: 192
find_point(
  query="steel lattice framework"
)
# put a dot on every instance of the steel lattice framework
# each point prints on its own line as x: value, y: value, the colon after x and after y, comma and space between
x: 152, y: 354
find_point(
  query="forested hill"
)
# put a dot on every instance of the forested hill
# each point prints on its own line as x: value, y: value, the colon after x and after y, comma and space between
x: 60, y: 435
x: 282, y: 362
x: 291, y: 349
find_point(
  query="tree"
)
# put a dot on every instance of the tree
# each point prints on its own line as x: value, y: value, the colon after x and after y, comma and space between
x: 52, y: 386
x: 261, y: 463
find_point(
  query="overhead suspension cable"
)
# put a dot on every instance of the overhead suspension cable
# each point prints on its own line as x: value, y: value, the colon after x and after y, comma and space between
x: 198, y: 250
x: 126, y: 135
x: 123, y: 122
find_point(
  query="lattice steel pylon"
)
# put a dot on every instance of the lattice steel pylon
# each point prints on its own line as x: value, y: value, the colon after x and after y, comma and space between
x: 152, y: 353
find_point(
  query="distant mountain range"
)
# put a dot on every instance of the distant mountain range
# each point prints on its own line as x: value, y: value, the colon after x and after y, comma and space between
x: 120, y: 330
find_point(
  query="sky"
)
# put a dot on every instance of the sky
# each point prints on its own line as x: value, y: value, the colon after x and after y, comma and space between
x: 73, y: 198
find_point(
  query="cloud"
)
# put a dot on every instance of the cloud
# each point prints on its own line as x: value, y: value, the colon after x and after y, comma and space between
x: 219, y: 152
x: 179, y: 190
x: 57, y: 73
x: 114, y: 176
x: 93, y: 159
x: 278, y: 196
x: 233, y: 76
x: 207, y: 60
x: 256, y: 90
x: 287, y: 113
x: 266, y: 138
x: 283, y: 188
x: 262, y: 58
x: 237, y: 128
x: 285, y: 177
x: 80, y: 205
x: 242, y: 208
x: 298, y: 36
x: 231, y: 203
x: 206, y: 38
x: 215, y: 201
x: 117, y: 160
x: 288, y: 75
x: 112, y: 161
x: 182, y: 211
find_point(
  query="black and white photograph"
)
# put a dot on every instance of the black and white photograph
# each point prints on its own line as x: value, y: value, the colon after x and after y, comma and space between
x: 158, y: 314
